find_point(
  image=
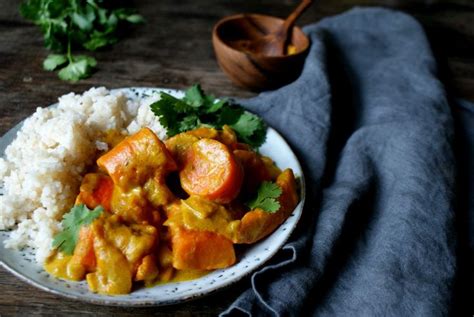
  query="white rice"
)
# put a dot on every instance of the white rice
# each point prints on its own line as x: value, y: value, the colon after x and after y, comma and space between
x: 44, y: 165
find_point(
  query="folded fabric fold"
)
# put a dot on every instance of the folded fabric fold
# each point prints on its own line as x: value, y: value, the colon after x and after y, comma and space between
x: 372, y: 126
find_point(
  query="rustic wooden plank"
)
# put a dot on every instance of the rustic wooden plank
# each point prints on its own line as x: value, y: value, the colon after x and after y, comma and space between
x: 174, y: 50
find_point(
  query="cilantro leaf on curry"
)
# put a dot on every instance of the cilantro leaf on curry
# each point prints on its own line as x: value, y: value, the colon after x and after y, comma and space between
x: 267, y: 197
x: 78, y: 216
x: 197, y: 109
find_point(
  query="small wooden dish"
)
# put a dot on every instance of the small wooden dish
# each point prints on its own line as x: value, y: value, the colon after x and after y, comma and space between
x: 255, y: 71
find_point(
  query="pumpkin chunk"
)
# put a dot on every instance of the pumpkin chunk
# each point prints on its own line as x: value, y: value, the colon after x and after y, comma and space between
x: 201, y: 250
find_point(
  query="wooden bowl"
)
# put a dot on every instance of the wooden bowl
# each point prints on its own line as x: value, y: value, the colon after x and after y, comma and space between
x: 254, y: 71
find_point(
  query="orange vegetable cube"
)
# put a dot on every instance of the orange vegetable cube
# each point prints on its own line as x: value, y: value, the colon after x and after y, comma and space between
x: 96, y: 189
x: 136, y: 158
x: 201, y: 250
x: 257, y: 224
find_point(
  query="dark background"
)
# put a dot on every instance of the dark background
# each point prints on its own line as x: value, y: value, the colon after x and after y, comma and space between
x: 173, y: 49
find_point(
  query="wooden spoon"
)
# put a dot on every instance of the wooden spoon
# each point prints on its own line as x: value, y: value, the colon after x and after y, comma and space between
x: 274, y: 43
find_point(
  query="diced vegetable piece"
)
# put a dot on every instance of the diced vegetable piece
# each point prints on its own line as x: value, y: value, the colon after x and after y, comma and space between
x: 166, y: 274
x: 257, y: 223
x: 228, y: 137
x: 211, y: 171
x: 157, y: 192
x: 203, y: 215
x: 272, y: 169
x: 203, y: 132
x: 179, y: 144
x: 138, y: 157
x: 156, y: 219
x: 83, y: 259
x: 254, y: 170
x: 147, y: 270
x: 135, y: 241
x: 201, y: 250
x: 289, y: 197
x: 96, y: 189
x: 57, y: 265
x: 165, y: 262
x: 165, y: 256
x: 132, y: 206
x: 113, y: 275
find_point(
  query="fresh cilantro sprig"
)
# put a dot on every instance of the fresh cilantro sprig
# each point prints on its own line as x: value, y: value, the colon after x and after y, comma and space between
x: 197, y: 109
x: 78, y: 216
x: 71, y: 24
x: 267, y: 197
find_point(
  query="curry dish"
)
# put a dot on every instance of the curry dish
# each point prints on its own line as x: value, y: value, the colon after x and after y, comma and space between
x: 173, y: 210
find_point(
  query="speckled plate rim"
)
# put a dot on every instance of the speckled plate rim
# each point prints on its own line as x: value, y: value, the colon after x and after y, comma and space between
x: 283, y: 232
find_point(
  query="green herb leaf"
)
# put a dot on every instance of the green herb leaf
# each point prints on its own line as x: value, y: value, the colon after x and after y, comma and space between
x: 196, y: 109
x: 216, y: 106
x: 91, y: 61
x: 229, y: 115
x: 99, y: 40
x: 83, y: 21
x: 135, y: 19
x: 81, y: 67
x: 250, y: 128
x: 78, y: 216
x: 194, y: 96
x: 267, y: 196
x: 172, y: 113
x: 31, y: 9
x: 53, y: 61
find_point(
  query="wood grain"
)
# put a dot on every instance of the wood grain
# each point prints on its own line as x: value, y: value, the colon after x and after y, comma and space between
x: 174, y: 50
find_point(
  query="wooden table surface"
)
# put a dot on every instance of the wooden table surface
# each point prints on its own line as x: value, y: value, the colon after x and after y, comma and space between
x: 173, y: 49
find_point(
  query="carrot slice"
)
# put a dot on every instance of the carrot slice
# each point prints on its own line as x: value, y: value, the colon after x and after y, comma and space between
x: 201, y: 250
x: 211, y: 171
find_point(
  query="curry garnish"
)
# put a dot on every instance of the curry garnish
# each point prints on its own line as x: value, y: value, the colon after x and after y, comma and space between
x: 267, y: 197
x: 197, y: 109
x: 78, y: 216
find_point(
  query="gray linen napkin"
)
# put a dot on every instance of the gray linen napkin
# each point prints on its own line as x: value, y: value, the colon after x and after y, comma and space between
x: 371, y: 124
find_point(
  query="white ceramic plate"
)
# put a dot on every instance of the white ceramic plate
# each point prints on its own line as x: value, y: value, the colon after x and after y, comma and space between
x: 249, y: 258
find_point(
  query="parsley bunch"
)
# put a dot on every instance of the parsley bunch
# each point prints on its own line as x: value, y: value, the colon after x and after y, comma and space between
x: 198, y: 109
x: 78, y: 216
x: 70, y: 24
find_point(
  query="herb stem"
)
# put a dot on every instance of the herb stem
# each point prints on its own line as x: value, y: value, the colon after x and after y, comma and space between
x: 69, y: 55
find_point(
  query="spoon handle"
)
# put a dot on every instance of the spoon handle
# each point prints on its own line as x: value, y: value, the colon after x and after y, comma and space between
x: 290, y: 21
